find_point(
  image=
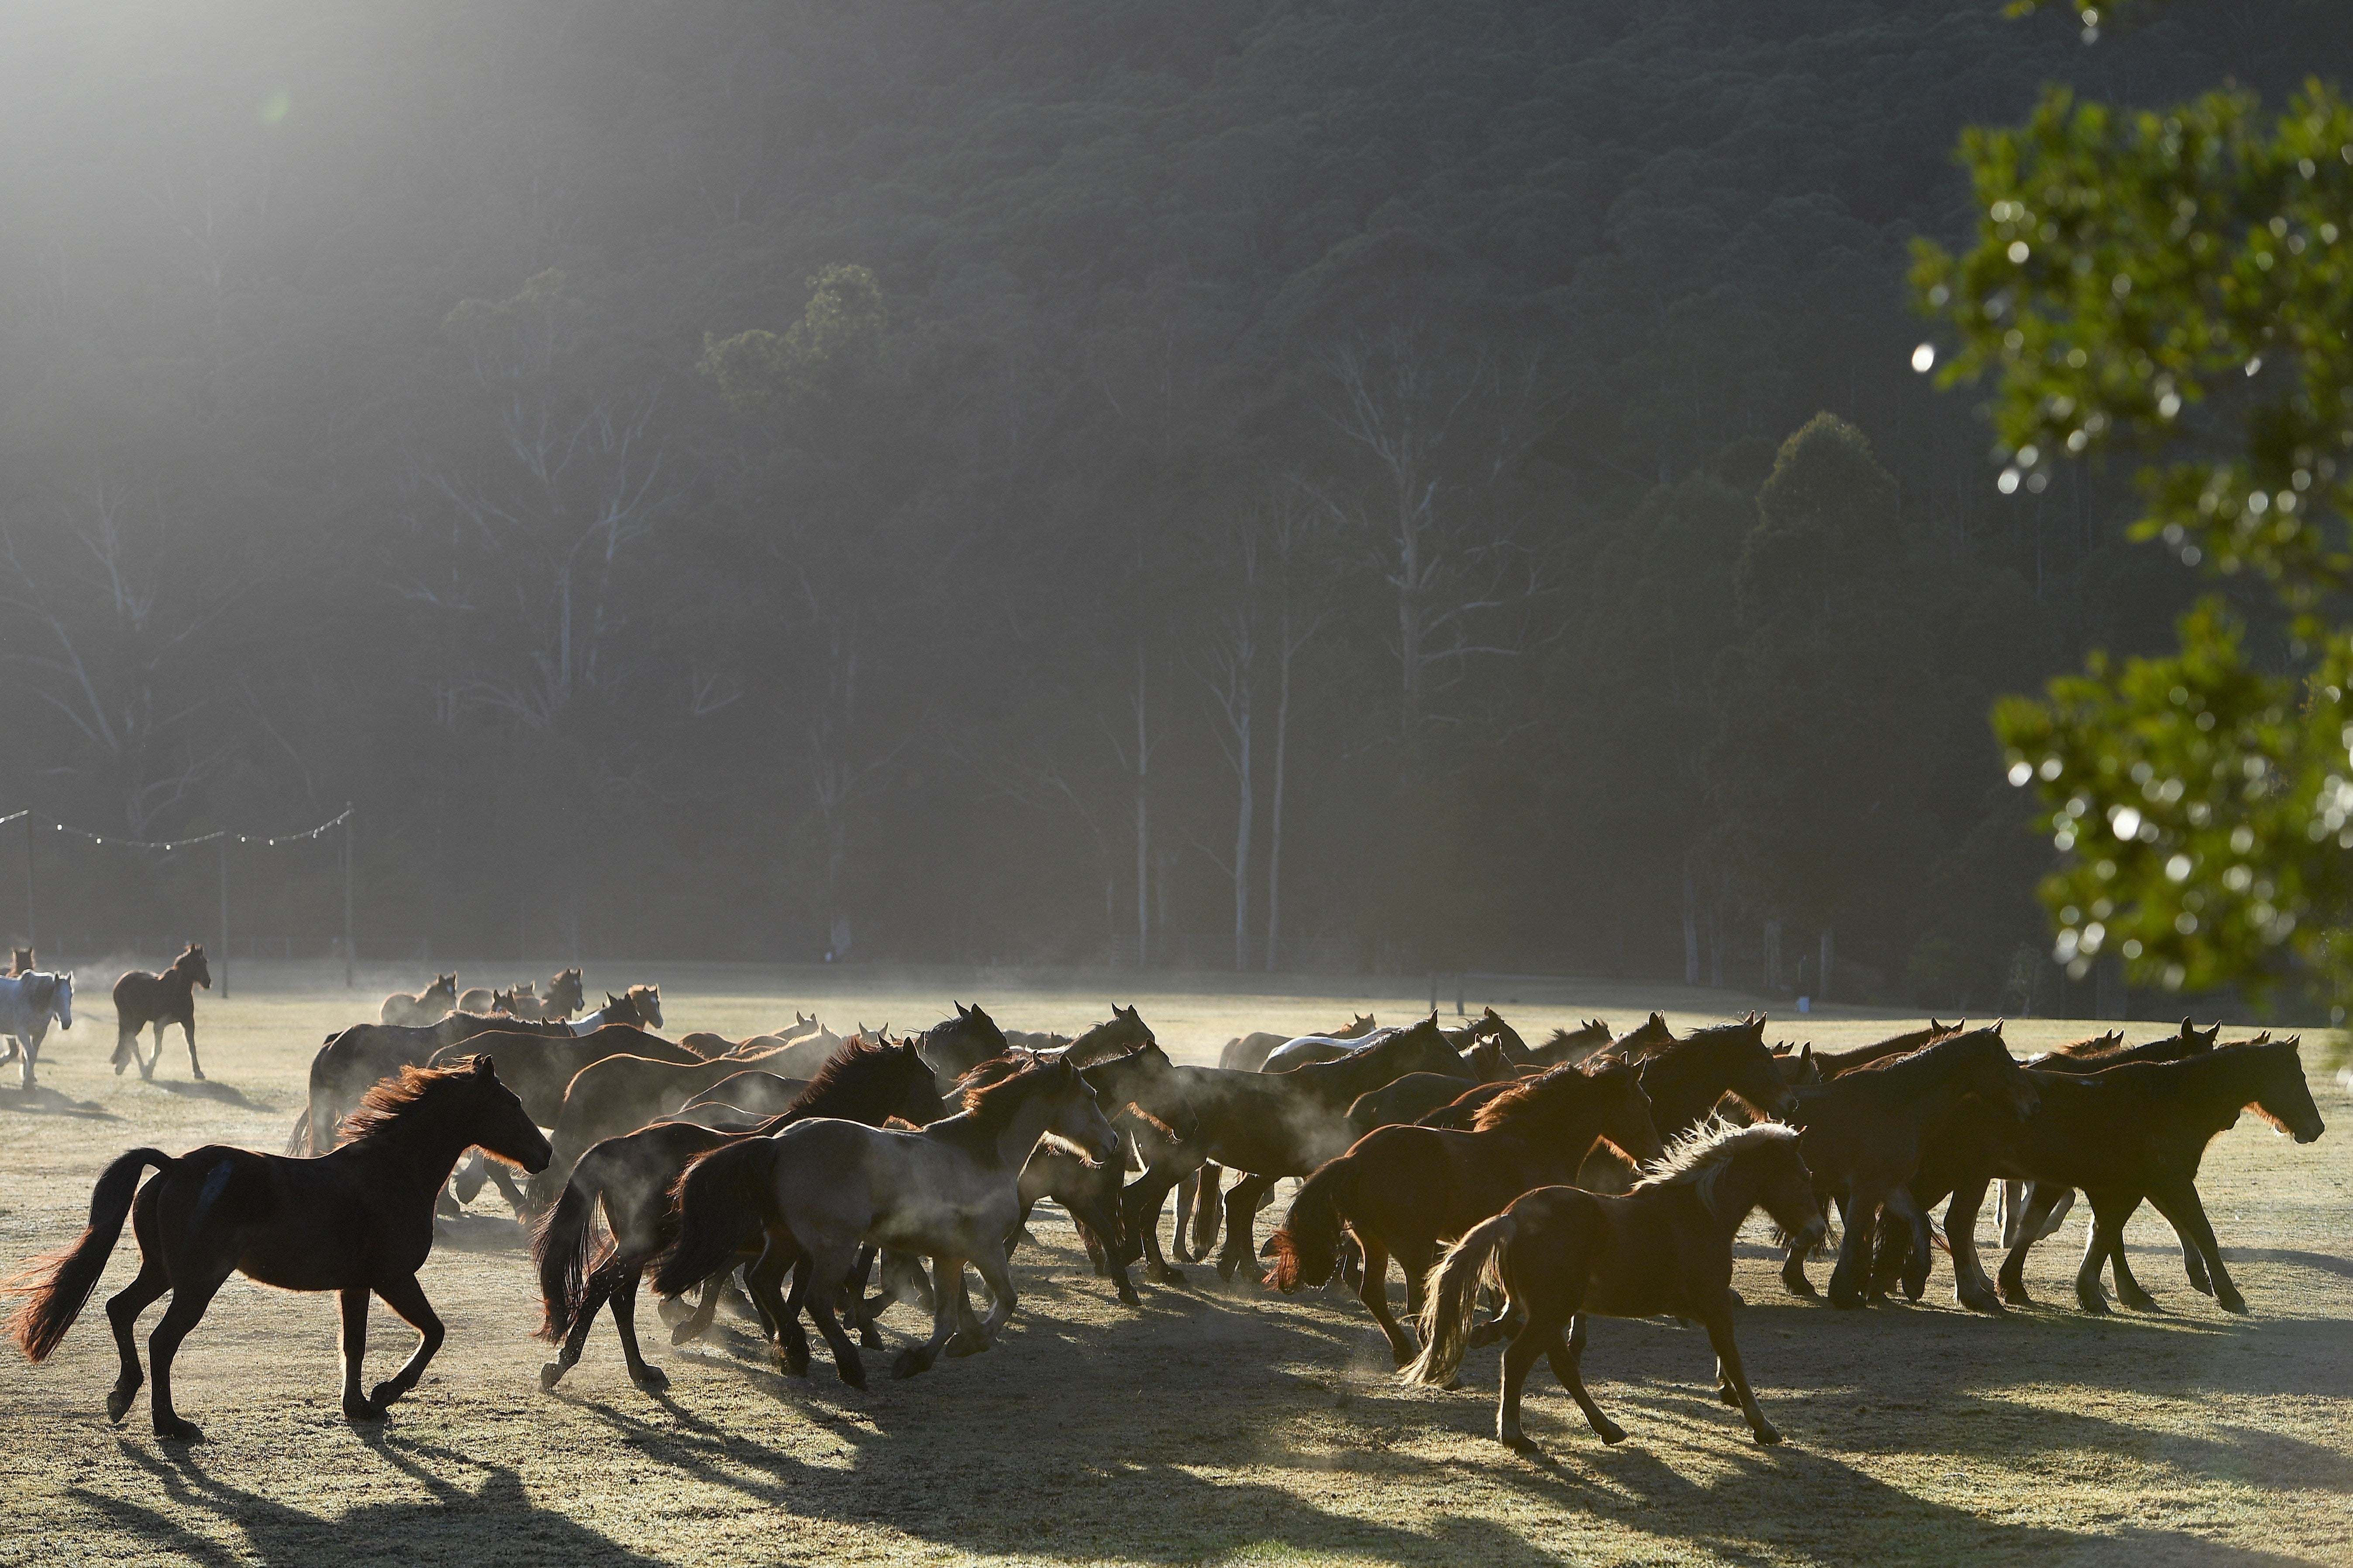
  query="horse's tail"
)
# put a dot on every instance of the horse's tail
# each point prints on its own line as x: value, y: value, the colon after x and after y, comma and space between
x: 1307, y: 1248
x: 1449, y: 1295
x: 56, y: 1286
x: 722, y: 1204
x: 562, y: 1246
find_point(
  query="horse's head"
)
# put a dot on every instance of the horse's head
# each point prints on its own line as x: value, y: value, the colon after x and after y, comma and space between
x: 564, y: 993
x: 191, y: 962
x: 497, y: 1121
x: 646, y: 1002
x: 1072, y: 1116
x: 502, y: 1001
x: 1992, y: 1072
x: 919, y: 1099
x: 444, y: 986
x: 2281, y: 1096
x: 1785, y: 1188
x: 1625, y: 1111
x: 61, y: 1001
x: 1754, y: 1073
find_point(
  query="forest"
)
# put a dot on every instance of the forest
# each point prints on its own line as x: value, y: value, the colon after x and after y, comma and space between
x: 1260, y: 484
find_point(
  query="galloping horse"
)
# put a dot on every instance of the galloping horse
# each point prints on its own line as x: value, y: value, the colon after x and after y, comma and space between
x: 141, y: 999
x: 1562, y: 1253
x: 357, y: 1220
x: 425, y: 1006
x: 28, y: 1000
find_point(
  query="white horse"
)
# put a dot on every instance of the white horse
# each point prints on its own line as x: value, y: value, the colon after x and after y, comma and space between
x: 1306, y: 1050
x: 27, y: 1003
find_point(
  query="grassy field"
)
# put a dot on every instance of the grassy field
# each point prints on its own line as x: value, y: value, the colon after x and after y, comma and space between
x: 1215, y: 1424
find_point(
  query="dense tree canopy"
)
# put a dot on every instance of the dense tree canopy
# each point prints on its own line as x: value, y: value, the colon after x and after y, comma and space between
x: 993, y: 482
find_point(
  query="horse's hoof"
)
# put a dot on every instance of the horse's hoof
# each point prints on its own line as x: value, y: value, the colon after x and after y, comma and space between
x: 1484, y: 1334
x: 672, y: 1311
x: 2234, y: 1303
x: 868, y: 1339
x: 851, y: 1372
x: 1799, y: 1286
x: 1127, y: 1295
x: 1724, y: 1396
x: 1517, y: 1442
x: 172, y: 1429
x: 197, y: 1073
x: 550, y: 1374
x: 118, y: 1403
x: 2093, y: 1302
x: 371, y: 1409
x: 909, y: 1363
x: 1846, y: 1300
x: 1610, y: 1434
x: 383, y: 1394
x: 119, y: 1067
x: 961, y: 1346
x: 653, y: 1380
x: 1768, y: 1435
x: 682, y: 1332
x: 1165, y: 1274
x: 2136, y: 1300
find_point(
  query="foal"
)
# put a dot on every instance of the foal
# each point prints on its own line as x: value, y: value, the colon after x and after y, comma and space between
x: 355, y: 1220
x: 141, y: 999
x: 1562, y: 1253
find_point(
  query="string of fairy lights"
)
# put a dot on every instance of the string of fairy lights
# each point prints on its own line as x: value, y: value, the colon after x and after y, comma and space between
x: 222, y: 836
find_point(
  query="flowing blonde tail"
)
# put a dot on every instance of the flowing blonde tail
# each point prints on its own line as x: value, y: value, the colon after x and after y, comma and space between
x: 1449, y: 1298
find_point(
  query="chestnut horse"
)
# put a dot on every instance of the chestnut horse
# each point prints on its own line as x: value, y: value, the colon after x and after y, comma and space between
x: 421, y: 1007
x: 1563, y: 1255
x: 357, y: 1220
x: 141, y: 999
x: 1403, y: 1192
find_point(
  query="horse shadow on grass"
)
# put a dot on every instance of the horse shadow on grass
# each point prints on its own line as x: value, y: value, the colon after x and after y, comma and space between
x: 496, y: 1521
x: 43, y: 1101
x: 209, y: 1088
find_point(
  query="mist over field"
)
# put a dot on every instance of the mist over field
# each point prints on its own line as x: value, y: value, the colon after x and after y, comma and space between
x: 1242, y: 485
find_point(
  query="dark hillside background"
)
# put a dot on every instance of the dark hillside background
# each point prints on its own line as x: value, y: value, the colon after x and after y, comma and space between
x: 995, y: 481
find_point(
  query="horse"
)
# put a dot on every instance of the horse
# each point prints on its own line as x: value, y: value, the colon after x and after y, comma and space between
x: 141, y: 999
x: 820, y: 1188
x: 2133, y: 1132
x: 1864, y: 1131
x: 631, y: 1179
x: 482, y: 999
x: 2097, y: 1054
x: 1247, y: 1053
x: 621, y: 1094
x: 351, y: 1061
x: 563, y: 998
x: 639, y: 1007
x: 354, y: 1221
x: 1403, y: 1192
x: 1311, y: 1051
x: 1269, y: 1124
x: 1563, y: 1255
x: 1417, y: 1094
x: 1572, y: 1045
x: 800, y: 1052
x: 28, y: 1001
x: 1688, y: 1079
x: 422, y: 1007
x: 22, y: 962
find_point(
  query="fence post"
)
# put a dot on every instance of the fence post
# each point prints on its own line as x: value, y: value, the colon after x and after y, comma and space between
x: 348, y: 826
x: 30, y: 941
x: 224, y: 879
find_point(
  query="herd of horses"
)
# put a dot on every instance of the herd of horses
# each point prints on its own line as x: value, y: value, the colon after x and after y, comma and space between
x: 802, y: 1172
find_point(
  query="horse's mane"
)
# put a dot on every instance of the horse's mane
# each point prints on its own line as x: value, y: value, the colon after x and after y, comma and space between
x: 991, y: 1106
x: 1532, y: 1097
x: 1696, y: 1156
x: 860, y: 1070
x: 2096, y: 1046
x: 393, y: 1098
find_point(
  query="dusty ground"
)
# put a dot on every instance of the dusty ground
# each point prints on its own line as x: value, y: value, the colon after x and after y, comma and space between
x: 1215, y: 1424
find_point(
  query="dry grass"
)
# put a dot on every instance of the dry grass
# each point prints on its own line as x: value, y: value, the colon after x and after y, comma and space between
x: 1214, y: 1425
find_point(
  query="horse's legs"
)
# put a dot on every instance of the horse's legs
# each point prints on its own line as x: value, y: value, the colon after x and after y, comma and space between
x: 1188, y: 1186
x: 2176, y: 1197
x: 625, y: 1320
x: 188, y: 1032
x: 1793, y: 1265
x: 122, y: 1311
x: 600, y: 1286
x: 353, y: 1303
x: 763, y: 1281
x: 189, y: 1299
x: 1728, y: 1367
x: 2109, y: 1212
x: 1208, y: 1193
x: 692, y: 1324
x: 1000, y: 1280
x: 1373, y: 1290
x: 1242, y: 1223
x: 1913, y: 1275
x: 825, y: 1281
x: 406, y: 1296
x: 1518, y: 1357
x: 1572, y: 1378
x: 1971, y: 1289
x: 126, y: 1047
x: 503, y: 1179
x: 1849, y: 1280
x: 2030, y: 1226
x: 1140, y: 1204
x: 947, y: 1290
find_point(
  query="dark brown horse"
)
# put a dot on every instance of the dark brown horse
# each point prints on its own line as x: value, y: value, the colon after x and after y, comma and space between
x: 2136, y: 1131
x: 1573, y: 1045
x: 141, y: 999
x: 1564, y: 1255
x: 1404, y: 1191
x: 354, y: 1221
x: 631, y: 1179
x: 1864, y: 1133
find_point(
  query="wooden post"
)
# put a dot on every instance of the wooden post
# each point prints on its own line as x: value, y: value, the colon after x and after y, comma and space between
x: 30, y: 941
x: 224, y: 925
x: 348, y: 826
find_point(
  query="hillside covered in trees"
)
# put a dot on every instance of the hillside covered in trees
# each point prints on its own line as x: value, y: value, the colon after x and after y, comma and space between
x: 1443, y: 482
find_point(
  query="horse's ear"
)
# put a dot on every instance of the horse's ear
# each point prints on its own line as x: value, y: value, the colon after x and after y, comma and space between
x: 1658, y: 1021
x: 1996, y: 1027
x: 1805, y: 1052
x: 1757, y: 1024
x: 484, y: 1067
